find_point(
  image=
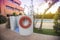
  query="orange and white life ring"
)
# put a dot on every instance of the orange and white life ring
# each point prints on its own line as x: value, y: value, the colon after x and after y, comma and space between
x: 22, y: 20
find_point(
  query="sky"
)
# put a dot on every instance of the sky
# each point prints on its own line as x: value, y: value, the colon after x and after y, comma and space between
x: 54, y: 8
x: 39, y: 6
x: 28, y: 2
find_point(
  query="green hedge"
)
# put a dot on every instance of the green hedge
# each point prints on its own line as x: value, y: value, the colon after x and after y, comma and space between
x: 3, y: 19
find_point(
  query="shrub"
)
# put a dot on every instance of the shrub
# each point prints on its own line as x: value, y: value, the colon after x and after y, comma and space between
x: 14, y: 14
x: 3, y: 19
x: 20, y: 13
x: 57, y: 23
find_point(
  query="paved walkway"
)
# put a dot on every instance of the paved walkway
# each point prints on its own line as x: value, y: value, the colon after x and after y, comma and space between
x: 6, y: 34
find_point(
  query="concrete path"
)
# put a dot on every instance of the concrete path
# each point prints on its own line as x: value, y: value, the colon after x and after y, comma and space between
x: 6, y: 34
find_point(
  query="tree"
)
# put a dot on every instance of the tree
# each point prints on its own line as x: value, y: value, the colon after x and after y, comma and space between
x: 49, y: 16
x: 57, y: 22
x: 50, y: 5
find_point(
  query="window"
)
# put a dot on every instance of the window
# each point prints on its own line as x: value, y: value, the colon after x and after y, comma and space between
x: 17, y: 9
x: 10, y: 0
x: 8, y: 7
x: 16, y: 3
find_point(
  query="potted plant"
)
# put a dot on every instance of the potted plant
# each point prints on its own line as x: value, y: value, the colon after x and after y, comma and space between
x: 3, y: 21
x: 20, y: 13
x: 13, y: 21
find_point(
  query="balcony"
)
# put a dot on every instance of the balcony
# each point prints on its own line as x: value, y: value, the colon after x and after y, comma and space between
x: 12, y: 4
x: 17, y: 1
x: 9, y: 11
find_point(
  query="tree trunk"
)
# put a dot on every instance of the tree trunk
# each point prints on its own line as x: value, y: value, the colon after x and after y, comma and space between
x: 44, y: 14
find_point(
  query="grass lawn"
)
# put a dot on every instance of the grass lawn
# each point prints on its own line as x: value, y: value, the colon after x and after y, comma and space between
x: 45, y: 31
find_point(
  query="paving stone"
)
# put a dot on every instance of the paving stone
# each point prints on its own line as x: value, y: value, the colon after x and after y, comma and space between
x: 6, y: 34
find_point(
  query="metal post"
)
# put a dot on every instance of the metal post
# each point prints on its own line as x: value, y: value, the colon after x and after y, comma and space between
x: 32, y: 13
x: 31, y: 7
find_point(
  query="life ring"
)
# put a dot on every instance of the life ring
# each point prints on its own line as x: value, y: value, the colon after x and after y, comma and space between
x: 22, y: 19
